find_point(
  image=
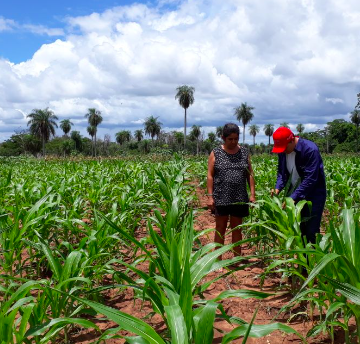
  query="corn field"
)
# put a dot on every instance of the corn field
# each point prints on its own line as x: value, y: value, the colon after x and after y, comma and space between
x: 74, y: 232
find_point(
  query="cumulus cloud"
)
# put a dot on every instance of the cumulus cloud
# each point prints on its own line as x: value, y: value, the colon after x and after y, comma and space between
x: 292, y: 61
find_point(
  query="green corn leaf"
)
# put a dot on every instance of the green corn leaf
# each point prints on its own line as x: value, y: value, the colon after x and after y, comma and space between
x: 176, y: 324
x: 38, y: 330
x: 324, y: 261
x: 204, y: 323
x: 350, y: 292
x: 242, y: 293
x: 126, y: 321
x: 258, y: 331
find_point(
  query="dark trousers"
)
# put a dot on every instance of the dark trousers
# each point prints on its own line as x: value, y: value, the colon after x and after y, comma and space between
x: 310, y: 224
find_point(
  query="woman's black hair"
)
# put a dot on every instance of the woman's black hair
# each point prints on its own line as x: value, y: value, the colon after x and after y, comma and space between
x: 230, y: 128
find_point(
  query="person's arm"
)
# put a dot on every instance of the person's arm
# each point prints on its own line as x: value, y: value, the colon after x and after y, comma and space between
x: 281, y: 177
x: 251, y: 182
x: 311, y: 175
x: 210, y: 180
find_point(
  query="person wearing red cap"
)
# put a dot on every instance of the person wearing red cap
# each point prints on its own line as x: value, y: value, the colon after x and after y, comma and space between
x: 300, y: 160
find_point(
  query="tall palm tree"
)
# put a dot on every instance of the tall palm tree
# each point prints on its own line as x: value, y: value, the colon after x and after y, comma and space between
x: 195, y: 133
x: 284, y: 124
x: 94, y: 118
x: 152, y: 126
x: 212, y: 137
x: 185, y: 95
x: 243, y: 113
x: 253, y: 130
x: 269, y: 130
x: 42, y: 124
x: 300, y: 128
x: 219, y: 131
x: 355, y: 118
x: 65, y: 126
x: 138, y: 134
x: 92, y: 132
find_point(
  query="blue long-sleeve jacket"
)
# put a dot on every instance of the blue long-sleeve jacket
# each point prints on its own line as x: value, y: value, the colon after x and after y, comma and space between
x: 310, y: 167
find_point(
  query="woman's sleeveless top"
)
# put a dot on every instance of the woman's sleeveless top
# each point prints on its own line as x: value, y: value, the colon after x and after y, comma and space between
x: 230, y: 176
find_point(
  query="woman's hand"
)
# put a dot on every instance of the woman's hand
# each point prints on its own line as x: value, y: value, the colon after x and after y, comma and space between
x: 210, y: 202
x: 252, y: 198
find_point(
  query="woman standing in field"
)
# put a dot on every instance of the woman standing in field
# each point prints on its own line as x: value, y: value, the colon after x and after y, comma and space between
x: 229, y: 169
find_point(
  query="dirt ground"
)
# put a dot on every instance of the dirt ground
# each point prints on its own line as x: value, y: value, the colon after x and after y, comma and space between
x: 243, y: 279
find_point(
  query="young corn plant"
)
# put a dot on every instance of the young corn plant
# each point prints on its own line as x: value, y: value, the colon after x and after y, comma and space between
x: 336, y: 270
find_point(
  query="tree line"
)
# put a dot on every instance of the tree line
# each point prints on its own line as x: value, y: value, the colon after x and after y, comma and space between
x: 338, y: 136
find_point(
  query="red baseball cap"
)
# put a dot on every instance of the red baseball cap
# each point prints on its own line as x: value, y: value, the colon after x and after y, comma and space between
x: 282, y: 136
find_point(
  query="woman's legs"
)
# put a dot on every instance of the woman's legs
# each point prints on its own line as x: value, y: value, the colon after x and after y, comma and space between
x: 236, y: 234
x: 221, y: 224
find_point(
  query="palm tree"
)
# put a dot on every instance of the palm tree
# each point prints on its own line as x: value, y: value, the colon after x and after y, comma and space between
x: 195, y: 134
x: 212, y: 137
x: 219, y: 131
x: 269, y: 130
x: 152, y: 126
x: 42, y: 124
x: 253, y: 130
x: 243, y: 113
x: 355, y: 118
x: 76, y: 137
x: 92, y: 132
x: 123, y: 136
x: 94, y: 118
x: 65, y: 126
x: 300, y: 128
x: 284, y: 124
x: 185, y: 95
x: 138, y: 135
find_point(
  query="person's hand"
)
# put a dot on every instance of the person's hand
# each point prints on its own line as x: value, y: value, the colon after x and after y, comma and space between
x: 272, y: 192
x: 252, y: 198
x: 211, y: 203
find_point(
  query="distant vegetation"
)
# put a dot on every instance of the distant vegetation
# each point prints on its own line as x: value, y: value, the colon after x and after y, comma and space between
x: 39, y: 139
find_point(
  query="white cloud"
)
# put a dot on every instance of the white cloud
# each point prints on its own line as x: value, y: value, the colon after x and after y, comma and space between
x: 334, y: 100
x: 43, y: 30
x: 281, y: 57
x: 6, y: 24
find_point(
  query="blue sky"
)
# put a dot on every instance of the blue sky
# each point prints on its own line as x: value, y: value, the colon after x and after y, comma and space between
x: 293, y: 61
x: 20, y: 44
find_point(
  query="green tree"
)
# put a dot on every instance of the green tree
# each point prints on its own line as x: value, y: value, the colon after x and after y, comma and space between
x: 195, y: 135
x: 152, y: 126
x: 253, y: 130
x: 179, y: 137
x: 76, y: 137
x: 185, y: 96
x: 243, y: 113
x: 65, y: 126
x: 139, y: 135
x: 212, y: 137
x: 94, y: 118
x: 355, y: 119
x: 269, y: 130
x: 284, y: 124
x: 123, y: 136
x: 219, y: 131
x: 92, y: 132
x: 67, y: 146
x: 300, y: 128
x: 42, y: 124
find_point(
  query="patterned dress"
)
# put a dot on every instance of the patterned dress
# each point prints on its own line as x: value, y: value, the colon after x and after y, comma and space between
x: 230, y: 176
